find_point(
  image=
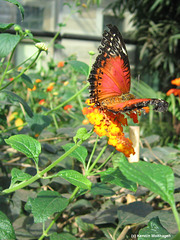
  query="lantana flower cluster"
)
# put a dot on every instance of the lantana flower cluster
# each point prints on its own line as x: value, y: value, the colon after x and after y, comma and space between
x: 111, y: 125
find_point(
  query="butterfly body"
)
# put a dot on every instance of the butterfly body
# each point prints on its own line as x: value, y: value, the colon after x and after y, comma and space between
x: 110, y: 78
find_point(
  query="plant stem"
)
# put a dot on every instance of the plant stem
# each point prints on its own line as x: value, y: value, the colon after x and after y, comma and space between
x: 5, y: 86
x: 22, y: 63
x: 97, y: 159
x: 5, y: 71
x: 92, y: 153
x: 58, y: 215
x: 68, y: 100
x: 104, y: 163
x: 41, y: 173
x: 176, y: 216
x: 54, y: 117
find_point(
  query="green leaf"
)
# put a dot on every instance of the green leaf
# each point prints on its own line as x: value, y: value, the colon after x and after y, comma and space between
x: 62, y: 236
x: 38, y: 122
x: 79, y: 153
x: 5, y: 26
x: 75, y: 178
x: 115, y: 176
x: 177, y: 237
x: 18, y: 176
x: 166, y: 218
x: 102, y: 189
x: 158, y: 178
x: 28, y: 205
x: 6, y: 228
x: 25, y: 144
x: 85, y: 227
x: 154, y: 230
x: 59, y: 46
x: 7, y: 43
x: 133, y: 212
x: 19, y: 5
x: 15, y: 98
x: 81, y: 134
x: 27, y: 80
x: 80, y: 67
x: 46, y: 204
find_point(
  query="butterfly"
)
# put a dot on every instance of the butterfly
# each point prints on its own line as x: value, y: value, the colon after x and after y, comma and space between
x: 110, y: 78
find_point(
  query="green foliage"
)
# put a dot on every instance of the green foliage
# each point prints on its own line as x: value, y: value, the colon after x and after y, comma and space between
x: 6, y: 228
x: 46, y: 203
x: 80, y: 67
x: 18, y: 176
x: 27, y: 145
x: 19, y: 5
x: 149, y: 175
x: 80, y: 153
x: 75, y: 178
x: 15, y: 98
x: 154, y: 229
x: 76, y: 181
x: 115, y: 176
x: 7, y: 43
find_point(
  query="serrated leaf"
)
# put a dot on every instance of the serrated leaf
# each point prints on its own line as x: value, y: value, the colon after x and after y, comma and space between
x: 75, y: 178
x: 7, y: 43
x: 18, y: 176
x: 46, y: 204
x: 158, y: 178
x: 79, y: 153
x: 19, y: 5
x: 38, y: 122
x: 80, y: 67
x: 13, y: 97
x: 6, y: 228
x: 5, y: 26
x: 27, y: 80
x: 115, y: 176
x: 25, y: 144
x: 154, y: 230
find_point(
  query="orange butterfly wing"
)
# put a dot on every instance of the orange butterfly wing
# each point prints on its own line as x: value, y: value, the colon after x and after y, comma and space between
x: 110, y: 77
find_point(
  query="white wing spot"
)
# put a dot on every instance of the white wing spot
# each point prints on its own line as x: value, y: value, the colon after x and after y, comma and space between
x: 124, y: 51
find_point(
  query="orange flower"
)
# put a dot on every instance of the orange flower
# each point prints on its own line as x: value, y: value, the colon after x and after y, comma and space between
x: 176, y: 82
x: 84, y: 5
x: 11, y: 79
x: 42, y: 101
x: 50, y: 87
x: 20, y: 68
x: 85, y: 122
x: 67, y: 107
x: 38, y: 80
x: 110, y: 125
x: 174, y: 91
x: 33, y: 89
x: 60, y: 64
